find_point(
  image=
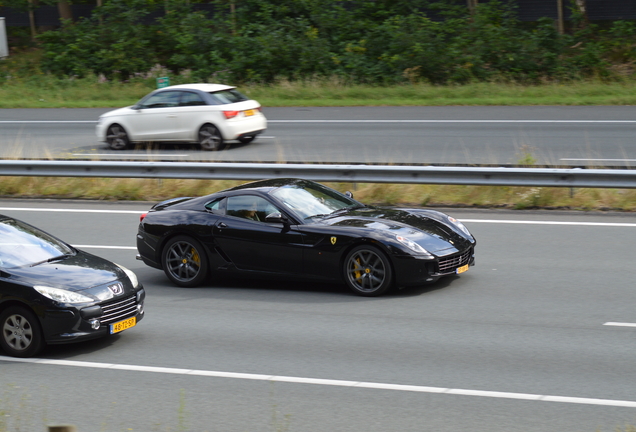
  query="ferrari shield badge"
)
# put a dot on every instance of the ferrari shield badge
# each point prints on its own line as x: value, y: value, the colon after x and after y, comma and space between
x: 333, y: 240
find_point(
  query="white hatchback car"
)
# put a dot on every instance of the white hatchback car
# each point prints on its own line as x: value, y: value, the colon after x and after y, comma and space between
x: 208, y: 114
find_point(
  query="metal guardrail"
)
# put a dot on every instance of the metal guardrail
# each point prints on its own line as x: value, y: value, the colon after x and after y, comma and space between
x: 538, y: 177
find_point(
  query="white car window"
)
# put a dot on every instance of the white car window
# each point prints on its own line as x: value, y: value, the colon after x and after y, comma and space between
x: 162, y: 100
x: 191, y: 99
x: 228, y: 96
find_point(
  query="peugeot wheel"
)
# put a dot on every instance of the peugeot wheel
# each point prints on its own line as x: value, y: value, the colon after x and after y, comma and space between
x: 210, y: 138
x: 117, y: 138
x: 367, y: 271
x: 21, y: 332
x: 185, y: 262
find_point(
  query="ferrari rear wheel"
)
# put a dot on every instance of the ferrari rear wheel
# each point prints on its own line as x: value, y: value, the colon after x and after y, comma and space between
x: 185, y: 262
x: 21, y: 332
x: 367, y: 271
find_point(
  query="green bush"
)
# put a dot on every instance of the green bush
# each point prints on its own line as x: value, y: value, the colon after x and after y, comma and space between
x: 373, y: 42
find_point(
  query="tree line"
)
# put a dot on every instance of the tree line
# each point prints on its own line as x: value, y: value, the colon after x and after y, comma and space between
x: 372, y: 41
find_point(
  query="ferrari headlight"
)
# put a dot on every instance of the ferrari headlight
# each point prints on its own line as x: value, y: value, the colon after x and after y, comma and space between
x: 131, y: 275
x: 460, y: 225
x: 411, y: 245
x: 61, y: 295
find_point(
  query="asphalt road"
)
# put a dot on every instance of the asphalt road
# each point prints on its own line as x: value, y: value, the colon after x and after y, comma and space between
x: 521, y: 342
x: 598, y: 136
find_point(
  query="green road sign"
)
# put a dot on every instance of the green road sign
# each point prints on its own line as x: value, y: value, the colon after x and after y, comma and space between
x: 163, y: 82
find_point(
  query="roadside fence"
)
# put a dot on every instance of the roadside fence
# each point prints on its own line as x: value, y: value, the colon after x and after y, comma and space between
x: 497, y: 176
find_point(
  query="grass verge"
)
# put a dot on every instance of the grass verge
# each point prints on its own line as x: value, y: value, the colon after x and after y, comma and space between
x: 24, y: 85
x: 111, y: 189
x: 50, y: 92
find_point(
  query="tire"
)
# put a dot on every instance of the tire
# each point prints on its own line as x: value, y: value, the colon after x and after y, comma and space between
x: 184, y: 261
x: 367, y: 271
x: 21, y: 333
x: 247, y: 139
x: 210, y: 138
x: 117, y: 138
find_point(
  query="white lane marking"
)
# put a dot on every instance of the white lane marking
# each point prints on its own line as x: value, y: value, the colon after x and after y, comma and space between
x: 127, y: 155
x: 598, y: 160
x: 619, y: 324
x: 47, y: 121
x: 494, y: 221
x: 527, y: 222
x: 451, y: 121
x: 105, y: 247
x: 364, y: 121
x: 329, y: 382
x: 137, y: 212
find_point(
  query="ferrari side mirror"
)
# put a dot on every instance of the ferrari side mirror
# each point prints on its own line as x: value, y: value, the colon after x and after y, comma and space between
x: 277, y: 217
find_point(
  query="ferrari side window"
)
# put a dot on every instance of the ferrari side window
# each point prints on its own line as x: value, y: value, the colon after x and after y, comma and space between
x: 248, y: 207
x: 216, y: 206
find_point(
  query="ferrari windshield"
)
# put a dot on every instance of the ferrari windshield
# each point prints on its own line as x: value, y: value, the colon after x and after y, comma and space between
x: 312, y: 199
x: 23, y: 245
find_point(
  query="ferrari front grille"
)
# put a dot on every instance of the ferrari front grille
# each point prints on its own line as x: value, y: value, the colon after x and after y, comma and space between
x: 119, y: 310
x: 449, y: 264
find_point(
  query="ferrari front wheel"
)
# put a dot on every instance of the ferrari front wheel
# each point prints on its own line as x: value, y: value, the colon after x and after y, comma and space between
x: 184, y: 261
x: 367, y: 271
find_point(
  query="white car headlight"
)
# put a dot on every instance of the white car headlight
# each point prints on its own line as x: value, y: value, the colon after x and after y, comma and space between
x: 411, y: 245
x: 131, y: 275
x: 61, y: 295
x: 460, y: 225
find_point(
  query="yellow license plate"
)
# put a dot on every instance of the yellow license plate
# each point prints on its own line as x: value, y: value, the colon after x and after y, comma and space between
x: 123, y: 325
x: 249, y: 113
x: 462, y: 269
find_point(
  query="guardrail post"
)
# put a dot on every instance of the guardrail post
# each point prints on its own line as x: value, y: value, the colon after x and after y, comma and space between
x: 4, y: 46
x: 63, y: 428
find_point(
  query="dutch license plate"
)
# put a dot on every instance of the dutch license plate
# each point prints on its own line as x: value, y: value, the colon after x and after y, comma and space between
x: 249, y: 113
x: 123, y: 325
x: 462, y: 269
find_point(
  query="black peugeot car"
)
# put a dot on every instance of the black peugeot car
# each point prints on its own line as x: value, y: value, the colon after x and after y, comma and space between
x: 300, y: 228
x: 53, y: 293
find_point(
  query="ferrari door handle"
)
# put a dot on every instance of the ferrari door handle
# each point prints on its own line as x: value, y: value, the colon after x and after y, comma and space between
x: 221, y: 225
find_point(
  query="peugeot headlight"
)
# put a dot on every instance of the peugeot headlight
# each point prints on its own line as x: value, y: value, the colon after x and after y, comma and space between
x: 131, y: 275
x: 411, y: 245
x: 459, y: 225
x: 61, y: 295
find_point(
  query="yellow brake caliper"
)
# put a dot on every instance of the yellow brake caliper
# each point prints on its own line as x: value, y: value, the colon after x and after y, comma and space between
x: 358, y: 273
x: 195, y: 256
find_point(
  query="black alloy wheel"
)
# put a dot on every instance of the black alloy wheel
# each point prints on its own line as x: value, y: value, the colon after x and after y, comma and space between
x: 210, y: 138
x: 367, y: 271
x: 185, y: 262
x: 117, y: 138
x: 247, y: 139
x: 21, y: 332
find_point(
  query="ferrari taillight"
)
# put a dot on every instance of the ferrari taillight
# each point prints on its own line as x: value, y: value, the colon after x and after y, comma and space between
x: 230, y: 114
x: 141, y: 218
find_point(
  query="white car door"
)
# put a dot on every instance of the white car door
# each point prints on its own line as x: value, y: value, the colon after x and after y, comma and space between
x: 192, y: 113
x: 156, y: 119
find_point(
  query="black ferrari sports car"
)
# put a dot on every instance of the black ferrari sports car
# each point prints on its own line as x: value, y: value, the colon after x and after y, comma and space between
x: 299, y: 228
x: 53, y: 293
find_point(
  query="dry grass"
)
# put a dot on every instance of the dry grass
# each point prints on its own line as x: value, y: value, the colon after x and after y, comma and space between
x: 112, y: 189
